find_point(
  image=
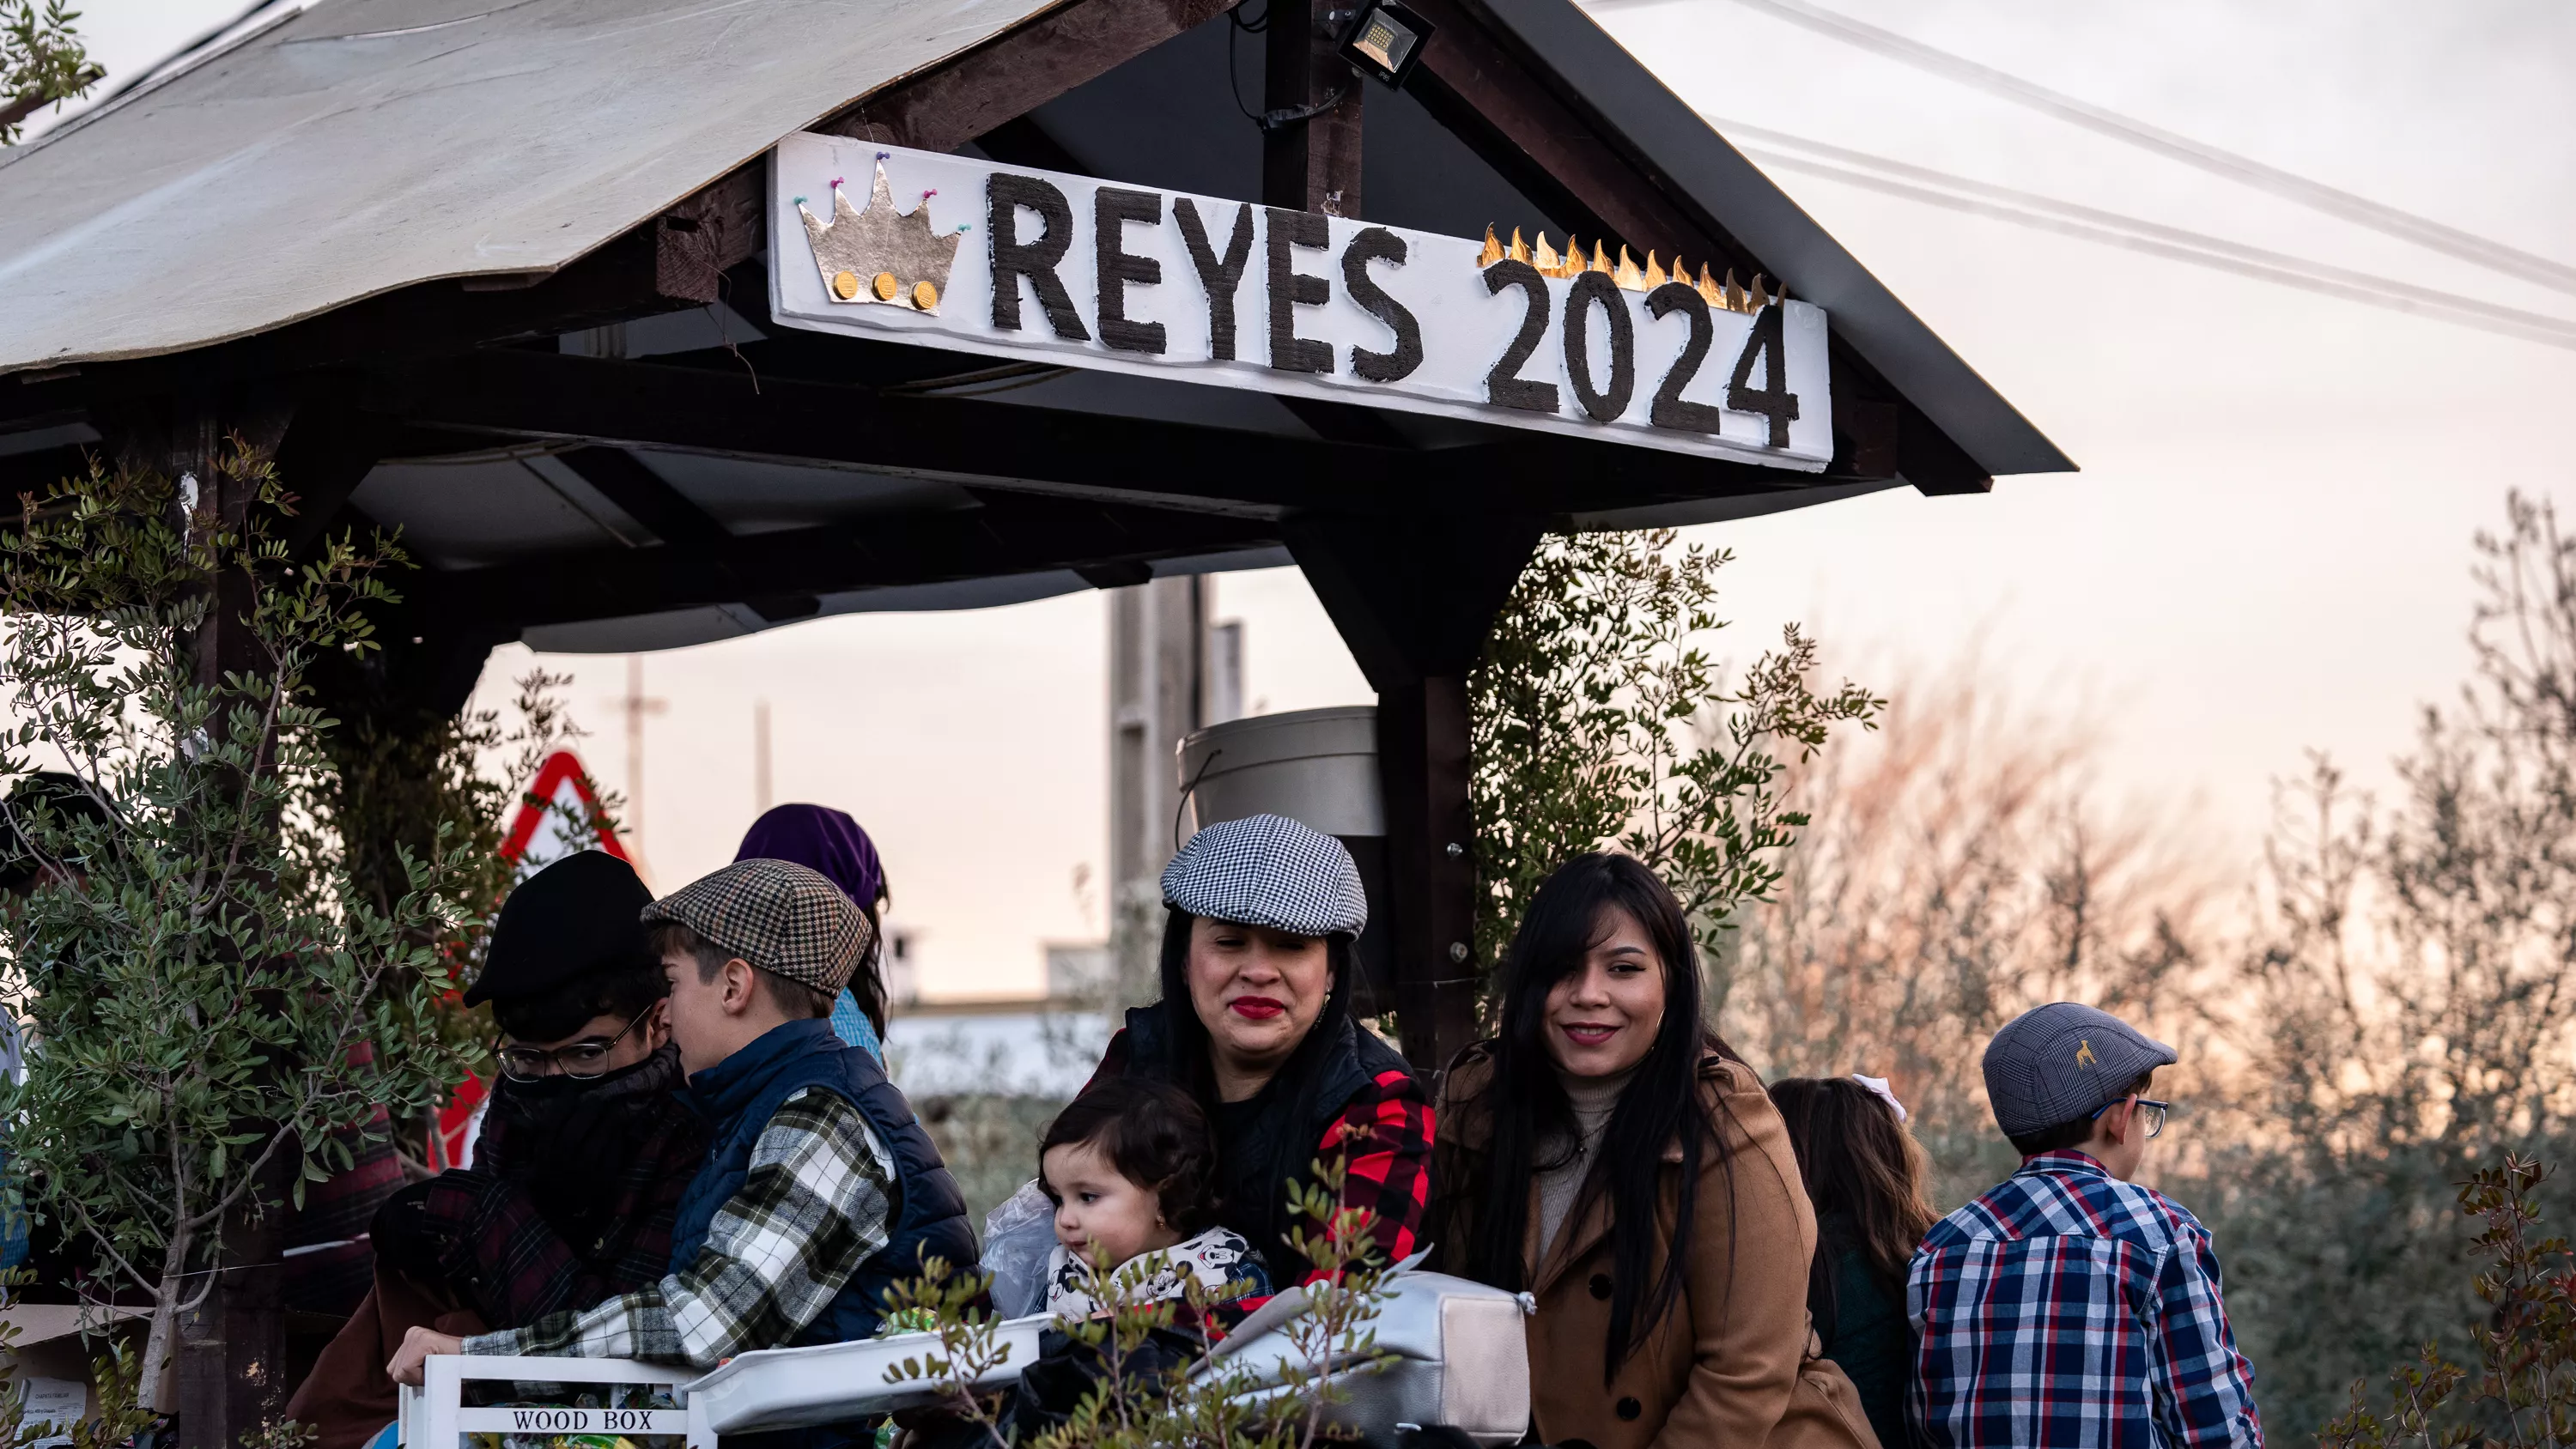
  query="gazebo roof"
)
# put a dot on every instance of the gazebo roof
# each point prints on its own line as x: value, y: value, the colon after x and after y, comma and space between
x: 502, y: 264
x: 351, y: 148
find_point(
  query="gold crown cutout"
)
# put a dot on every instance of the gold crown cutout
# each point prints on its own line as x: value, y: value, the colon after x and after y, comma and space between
x: 1626, y: 274
x: 880, y: 254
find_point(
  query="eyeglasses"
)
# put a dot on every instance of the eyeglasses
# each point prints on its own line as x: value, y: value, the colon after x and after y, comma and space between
x: 2150, y: 1111
x: 584, y: 1059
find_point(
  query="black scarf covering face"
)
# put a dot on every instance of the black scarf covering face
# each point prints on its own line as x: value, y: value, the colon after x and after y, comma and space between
x: 568, y: 1137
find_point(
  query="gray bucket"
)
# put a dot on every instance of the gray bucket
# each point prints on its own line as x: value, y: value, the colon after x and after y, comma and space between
x: 1316, y: 766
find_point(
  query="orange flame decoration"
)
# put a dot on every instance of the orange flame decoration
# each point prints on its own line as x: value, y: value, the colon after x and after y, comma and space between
x: 1573, y: 262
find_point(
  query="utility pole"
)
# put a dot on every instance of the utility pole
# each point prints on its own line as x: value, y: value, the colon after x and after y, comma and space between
x: 637, y: 706
x: 1157, y: 668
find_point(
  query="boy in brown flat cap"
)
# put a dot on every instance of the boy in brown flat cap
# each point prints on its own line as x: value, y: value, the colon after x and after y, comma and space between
x: 821, y: 1189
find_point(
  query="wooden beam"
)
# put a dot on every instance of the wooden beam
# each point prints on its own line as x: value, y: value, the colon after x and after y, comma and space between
x: 1007, y: 445
x: 1473, y: 82
x: 327, y: 452
x: 1021, y: 141
x: 37, y: 471
x: 1311, y: 163
x: 696, y: 242
x: 1006, y: 534
x: 1017, y: 71
x: 696, y: 537
x: 230, y: 1363
x: 631, y: 404
x: 1415, y: 618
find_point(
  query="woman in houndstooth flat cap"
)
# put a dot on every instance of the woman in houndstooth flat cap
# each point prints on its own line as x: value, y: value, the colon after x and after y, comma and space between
x: 1255, y: 1022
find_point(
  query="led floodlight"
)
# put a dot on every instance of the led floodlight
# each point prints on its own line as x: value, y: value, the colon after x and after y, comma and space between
x: 1385, y: 41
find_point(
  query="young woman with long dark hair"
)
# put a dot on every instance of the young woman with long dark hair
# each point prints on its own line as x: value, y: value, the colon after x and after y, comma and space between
x: 1255, y: 1024
x: 1864, y: 1172
x: 1607, y: 1153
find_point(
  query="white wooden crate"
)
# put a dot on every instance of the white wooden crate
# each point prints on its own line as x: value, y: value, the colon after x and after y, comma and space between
x: 431, y: 1416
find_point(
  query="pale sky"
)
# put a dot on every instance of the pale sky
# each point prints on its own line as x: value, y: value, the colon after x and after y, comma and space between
x: 2267, y: 550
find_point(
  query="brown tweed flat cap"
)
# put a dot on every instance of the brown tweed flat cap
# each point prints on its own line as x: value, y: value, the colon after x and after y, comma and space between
x: 777, y: 915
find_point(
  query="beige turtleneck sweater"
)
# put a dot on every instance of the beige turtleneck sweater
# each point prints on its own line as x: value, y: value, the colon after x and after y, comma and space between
x: 1594, y: 1099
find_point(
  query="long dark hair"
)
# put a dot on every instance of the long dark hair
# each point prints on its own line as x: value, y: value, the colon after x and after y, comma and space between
x: 1265, y: 1222
x: 1863, y: 1171
x: 1661, y: 1106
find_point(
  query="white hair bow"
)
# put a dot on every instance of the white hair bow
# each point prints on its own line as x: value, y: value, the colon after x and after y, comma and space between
x: 1879, y: 1086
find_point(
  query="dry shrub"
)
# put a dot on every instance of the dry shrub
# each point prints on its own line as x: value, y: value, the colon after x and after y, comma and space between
x: 1960, y: 869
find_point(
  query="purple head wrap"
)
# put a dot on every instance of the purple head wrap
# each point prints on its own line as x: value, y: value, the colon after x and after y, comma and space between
x: 820, y: 839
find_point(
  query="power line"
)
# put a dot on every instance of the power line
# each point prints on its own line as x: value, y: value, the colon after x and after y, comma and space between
x: 2360, y: 210
x: 2066, y: 218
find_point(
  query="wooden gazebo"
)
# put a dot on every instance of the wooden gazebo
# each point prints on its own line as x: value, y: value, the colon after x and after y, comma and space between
x: 534, y: 282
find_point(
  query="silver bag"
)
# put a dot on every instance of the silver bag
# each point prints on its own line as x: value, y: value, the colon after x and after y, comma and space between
x: 1459, y: 1350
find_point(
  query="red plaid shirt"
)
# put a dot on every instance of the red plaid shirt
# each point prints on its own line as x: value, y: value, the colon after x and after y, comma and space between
x: 1385, y: 1131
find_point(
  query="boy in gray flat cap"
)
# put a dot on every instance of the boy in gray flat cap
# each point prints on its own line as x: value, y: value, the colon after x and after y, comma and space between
x: 2069, y: 1305
x: 820, y: 1191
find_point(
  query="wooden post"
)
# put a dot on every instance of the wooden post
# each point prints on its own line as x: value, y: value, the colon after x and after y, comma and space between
x: 1311, y: 164
x: 1431, y: 871
x: 231, y: 1356
x: 1414, y: 599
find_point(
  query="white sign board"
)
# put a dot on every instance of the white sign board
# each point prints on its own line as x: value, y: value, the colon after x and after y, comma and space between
x: 877, y: 241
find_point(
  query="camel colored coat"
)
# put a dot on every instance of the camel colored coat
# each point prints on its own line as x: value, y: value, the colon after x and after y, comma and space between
x: 1733, y: 1366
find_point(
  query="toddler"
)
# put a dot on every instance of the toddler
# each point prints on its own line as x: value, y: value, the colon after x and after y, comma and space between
x: 1131, y: 1168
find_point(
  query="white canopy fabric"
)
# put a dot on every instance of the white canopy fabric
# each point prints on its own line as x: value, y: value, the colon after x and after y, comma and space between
x: 365, y: 145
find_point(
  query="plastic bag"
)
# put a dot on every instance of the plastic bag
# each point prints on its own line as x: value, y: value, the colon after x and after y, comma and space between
x: 1018, y: 1238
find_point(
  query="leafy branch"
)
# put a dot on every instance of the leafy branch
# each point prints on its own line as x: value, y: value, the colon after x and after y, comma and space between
x: 1599, y: 718
x: 42, y: 62
x: 2522, y: 1395
x: 1142, y: 1398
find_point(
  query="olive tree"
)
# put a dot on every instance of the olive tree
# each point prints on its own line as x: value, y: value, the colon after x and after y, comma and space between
x: 217, y: 1009
x: 1599, y: 719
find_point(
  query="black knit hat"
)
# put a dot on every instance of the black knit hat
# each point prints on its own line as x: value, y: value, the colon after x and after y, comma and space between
x: 579, y: 915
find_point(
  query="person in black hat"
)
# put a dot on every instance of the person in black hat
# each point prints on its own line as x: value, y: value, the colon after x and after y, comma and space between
x: 582, y: 1160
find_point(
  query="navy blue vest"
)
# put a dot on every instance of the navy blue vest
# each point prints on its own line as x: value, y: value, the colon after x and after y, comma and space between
x: 739, y: 1095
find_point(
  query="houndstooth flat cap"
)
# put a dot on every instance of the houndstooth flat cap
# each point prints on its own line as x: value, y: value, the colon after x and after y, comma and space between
x: 1268, y: 870
x: 776, y: 915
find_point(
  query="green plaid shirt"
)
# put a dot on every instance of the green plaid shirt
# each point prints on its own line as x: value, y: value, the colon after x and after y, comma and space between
x: 812, y: 1209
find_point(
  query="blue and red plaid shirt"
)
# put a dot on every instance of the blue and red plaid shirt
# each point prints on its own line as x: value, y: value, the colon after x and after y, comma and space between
x: 2067, y: 1308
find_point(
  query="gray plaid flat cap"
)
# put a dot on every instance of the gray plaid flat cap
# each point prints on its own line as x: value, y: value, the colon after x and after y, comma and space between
x: 2057, y: 1062
x: 1268, y: 870
x: 777, y: 915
